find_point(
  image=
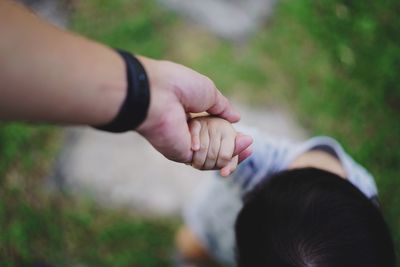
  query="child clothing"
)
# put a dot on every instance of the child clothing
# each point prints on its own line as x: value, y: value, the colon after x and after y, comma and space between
x: 212, y: 213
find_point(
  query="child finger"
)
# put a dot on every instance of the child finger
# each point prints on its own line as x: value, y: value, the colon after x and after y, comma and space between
x: 226, y: 151
x: 225, y: 171
x: 195, y: 127
x: 231, y: 167
x: 234, y: 163
x: 199, y: 156
x: 213, y: 150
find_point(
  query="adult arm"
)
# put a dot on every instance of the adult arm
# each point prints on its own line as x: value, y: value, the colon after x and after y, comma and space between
x: 51, y: 75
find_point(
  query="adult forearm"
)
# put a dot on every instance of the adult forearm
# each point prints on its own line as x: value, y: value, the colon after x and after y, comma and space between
x: 50, y: 75
x: 47, y: 74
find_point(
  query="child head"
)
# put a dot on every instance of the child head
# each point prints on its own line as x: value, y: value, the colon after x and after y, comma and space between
x: 309, y: 217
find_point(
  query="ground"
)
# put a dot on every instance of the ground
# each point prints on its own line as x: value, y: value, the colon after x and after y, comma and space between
x: 288, y: 67
x: 124, y: 170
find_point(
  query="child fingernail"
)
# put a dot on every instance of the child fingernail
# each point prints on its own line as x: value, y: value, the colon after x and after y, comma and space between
x: 225, y: 172
x: 196, y: 146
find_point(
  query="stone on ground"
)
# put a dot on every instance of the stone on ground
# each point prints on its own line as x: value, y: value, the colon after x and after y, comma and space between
x: 230, y: 19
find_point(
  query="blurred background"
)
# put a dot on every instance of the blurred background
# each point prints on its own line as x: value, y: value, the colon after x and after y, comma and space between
x: 77, y: 197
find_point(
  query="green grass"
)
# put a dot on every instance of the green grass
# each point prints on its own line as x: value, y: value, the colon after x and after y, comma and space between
x: 331, y: 63
x: 40, y: 227
x: 334, y: 64
x: 138, y: 26
x: 66, y: 232
x: 342, y: 83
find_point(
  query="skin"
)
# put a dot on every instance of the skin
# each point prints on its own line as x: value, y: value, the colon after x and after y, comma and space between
x: 222, y: 134
x: 55, y: 76
x: 213, y: 143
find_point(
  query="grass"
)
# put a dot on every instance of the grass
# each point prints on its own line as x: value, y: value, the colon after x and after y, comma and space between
x: 331, y: 63
x: 37, y: 226
x: 352, y: 107
x: 139, y: 26
x: 312, y: 58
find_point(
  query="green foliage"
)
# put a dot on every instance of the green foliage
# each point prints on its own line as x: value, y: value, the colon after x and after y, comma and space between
x: 36, y: 227
x: 231, y: 68
x: 13, y: 137
x: 334, y: 61
x: 23, y: 149
x: 362, y: 37
x: 342, y: 59
x: 65, y: 232
x: 29, y: 232
x: 135, y: 243
x: 137, y: 26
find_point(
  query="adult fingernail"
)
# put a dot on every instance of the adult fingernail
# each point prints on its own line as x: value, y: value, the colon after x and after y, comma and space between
x: 245, y: 140
x: 236, y: 114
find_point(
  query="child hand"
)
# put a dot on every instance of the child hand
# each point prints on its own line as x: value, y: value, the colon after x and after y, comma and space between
x: 213, y: 143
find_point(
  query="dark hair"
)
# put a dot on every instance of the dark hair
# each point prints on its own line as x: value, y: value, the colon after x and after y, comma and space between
x: 310, y: 217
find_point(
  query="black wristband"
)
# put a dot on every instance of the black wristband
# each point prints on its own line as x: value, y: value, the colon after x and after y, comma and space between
x: 134, y: 109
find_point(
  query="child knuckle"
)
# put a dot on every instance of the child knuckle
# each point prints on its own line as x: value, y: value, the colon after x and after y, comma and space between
x: 212, y: 156
x: 203, y: 147
x: 225, y: 157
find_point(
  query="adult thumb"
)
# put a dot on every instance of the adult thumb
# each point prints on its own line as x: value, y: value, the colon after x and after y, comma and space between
x: 242, y: 146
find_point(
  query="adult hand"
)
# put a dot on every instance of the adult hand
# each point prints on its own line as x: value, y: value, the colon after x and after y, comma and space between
x: 175, y: 92
x: 74, y: 80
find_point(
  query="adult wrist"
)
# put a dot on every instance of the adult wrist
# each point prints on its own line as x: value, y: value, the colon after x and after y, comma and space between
x: 134, y: 108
